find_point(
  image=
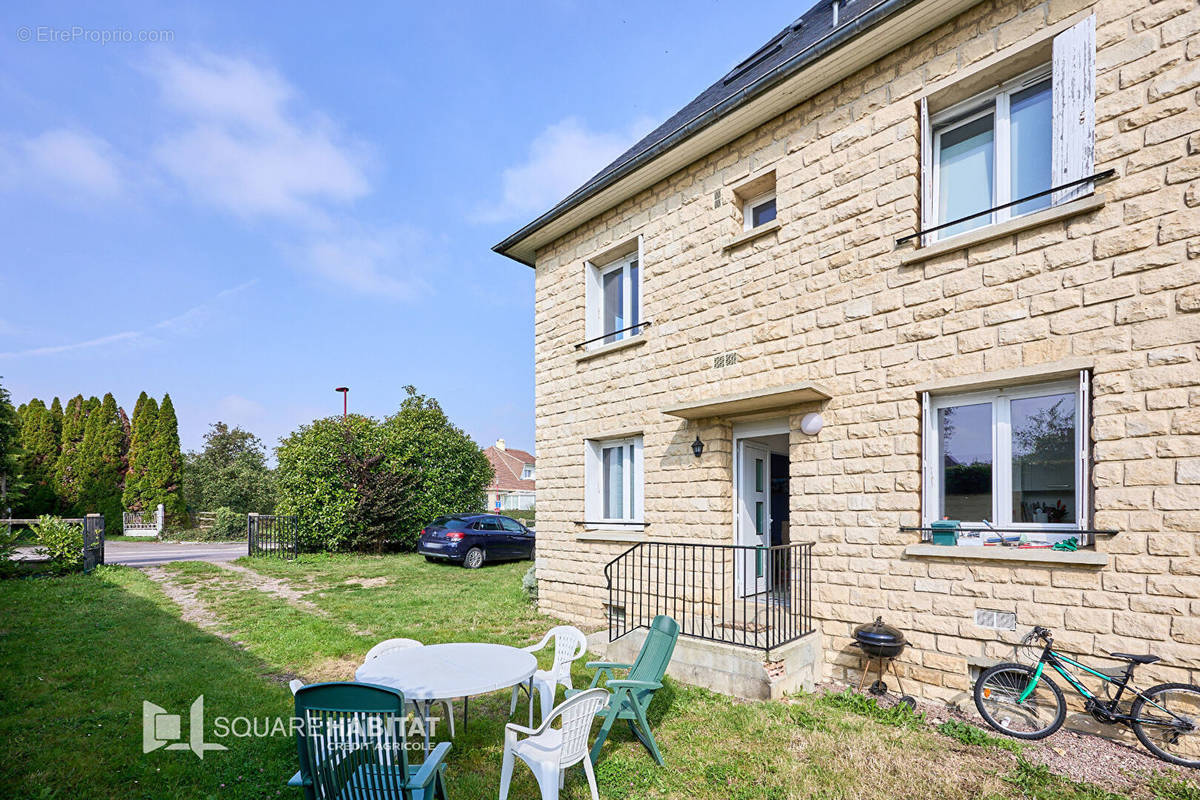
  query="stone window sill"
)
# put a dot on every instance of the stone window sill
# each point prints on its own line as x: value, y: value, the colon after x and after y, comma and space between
x: 612, y: 347
x: 628, y: 534
x: 964, y: 240
x: 1079, y: 558
x: 751, y: 235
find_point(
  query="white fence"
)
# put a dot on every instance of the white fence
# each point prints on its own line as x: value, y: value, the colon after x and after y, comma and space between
x: 135, y: 524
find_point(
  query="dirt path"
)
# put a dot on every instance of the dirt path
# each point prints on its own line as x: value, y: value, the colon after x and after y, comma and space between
x: 286, y: 592
x: 192, y: 609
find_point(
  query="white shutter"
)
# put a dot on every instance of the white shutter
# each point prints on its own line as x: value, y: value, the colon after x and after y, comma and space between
x: 928, y: 463
x: 639, y: 481
x: 591, y: 481
x: 928, y: 211
x: 591, y: 300
x: 1083, y: 514
x: 1074, y: 117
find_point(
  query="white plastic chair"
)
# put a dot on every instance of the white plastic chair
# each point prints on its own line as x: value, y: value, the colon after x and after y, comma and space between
x: 295, y: 684
x: 391, y: 645
x: 550, y: 751
x: 569, y: 644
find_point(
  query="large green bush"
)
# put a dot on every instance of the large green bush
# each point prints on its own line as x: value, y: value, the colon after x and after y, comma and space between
x: 61, y: 541
x: 231, y: 470
x: 229, y: 524
x: 361, y: 484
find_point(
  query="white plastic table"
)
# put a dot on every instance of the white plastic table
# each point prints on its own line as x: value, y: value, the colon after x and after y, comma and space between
x: 446, y: 671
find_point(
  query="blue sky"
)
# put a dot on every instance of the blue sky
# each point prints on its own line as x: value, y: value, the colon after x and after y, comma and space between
x: 283, y: 199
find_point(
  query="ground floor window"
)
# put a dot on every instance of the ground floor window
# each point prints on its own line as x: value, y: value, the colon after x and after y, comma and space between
x: 614, y: 480
x: 1013, y: 457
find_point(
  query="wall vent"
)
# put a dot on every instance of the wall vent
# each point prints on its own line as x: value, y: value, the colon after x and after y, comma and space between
x: 996, y: 620
x: 725, y: 360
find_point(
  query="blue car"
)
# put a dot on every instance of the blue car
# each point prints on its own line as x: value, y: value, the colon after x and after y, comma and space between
x: 472, y: 539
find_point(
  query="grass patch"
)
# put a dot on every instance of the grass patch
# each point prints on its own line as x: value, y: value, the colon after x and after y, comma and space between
x: 969, y: 734
x: 78, y: 654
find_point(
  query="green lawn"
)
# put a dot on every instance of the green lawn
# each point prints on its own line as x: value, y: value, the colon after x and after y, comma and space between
x: 79, y: 654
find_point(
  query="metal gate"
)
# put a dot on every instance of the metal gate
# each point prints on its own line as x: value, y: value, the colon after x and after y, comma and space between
x: 269, y: 535
x: 93, y: 541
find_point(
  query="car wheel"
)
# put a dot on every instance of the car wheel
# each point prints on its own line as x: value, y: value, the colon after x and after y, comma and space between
x: 474, y: 558
x: 533, y: 554
x: 430, y: 559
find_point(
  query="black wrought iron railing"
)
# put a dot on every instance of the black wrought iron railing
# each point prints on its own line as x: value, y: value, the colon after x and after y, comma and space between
x: 759, y: 597
x: 636, y: 327
x: 269, y: 535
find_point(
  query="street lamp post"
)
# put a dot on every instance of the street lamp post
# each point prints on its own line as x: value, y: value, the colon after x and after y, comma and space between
x: 344, y: 390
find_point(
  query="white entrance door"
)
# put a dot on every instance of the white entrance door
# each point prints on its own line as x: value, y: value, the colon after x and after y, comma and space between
x: 754, y: 516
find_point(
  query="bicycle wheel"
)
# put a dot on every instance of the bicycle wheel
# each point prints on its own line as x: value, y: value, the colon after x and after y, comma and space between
x: 998, y: 698
x: 1168, y: 722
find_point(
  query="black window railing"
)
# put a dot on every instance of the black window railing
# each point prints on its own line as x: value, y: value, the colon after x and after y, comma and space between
x: 1085, y: 536
x: 757, y: 597
x: 603, y: 336
x: 1099, y: 176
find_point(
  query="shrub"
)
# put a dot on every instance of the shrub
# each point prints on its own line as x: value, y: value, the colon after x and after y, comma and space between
x: 528, y: 517
x: 228, y: 524
x: 61, y: 541
x: 231, y: 470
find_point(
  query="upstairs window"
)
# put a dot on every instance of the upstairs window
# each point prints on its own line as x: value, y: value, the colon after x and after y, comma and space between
x: 527, y: 472
x: 759, y: 210
x: 614, y: 296
x: 984, y: 159
x: 991, y: 151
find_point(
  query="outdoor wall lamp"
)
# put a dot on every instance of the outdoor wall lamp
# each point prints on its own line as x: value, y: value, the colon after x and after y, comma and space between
x: 697, y: 446
x: 811, y: 424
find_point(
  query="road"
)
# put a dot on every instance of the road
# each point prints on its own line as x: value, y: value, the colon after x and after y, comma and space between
x: 151, y: 554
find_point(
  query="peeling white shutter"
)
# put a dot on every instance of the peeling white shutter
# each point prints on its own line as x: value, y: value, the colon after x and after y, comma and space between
x: 928, y: 212
x: 1074, y: 117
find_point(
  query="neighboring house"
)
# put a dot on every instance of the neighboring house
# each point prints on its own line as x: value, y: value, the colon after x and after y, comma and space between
x: 735, y: 281
x: 513, y: 485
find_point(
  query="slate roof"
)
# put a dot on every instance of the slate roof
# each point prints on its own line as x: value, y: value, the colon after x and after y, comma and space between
x: 809, y: 37
x: 507, y: 465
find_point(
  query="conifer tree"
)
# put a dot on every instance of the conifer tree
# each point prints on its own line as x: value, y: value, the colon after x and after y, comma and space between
x: 66, y: 471
x: 101, y: 465
x: 11, y: 482
x: 56, y: 419
x: 145, y: 416
x: 164, y: 472
x: 39, y: 445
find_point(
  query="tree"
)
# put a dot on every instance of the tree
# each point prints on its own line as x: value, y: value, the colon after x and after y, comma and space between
x: 163, y: 482
x: 66, y: 471
x: 40, y: 444
x: 101, y: 463
x: 450, y: 471
x: 145, y: 417
x: 315, y: 484
x: 11, y: 481
x: 230, y: 471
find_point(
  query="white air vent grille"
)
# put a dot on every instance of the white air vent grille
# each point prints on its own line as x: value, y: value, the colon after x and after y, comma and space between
x: 996, y: 620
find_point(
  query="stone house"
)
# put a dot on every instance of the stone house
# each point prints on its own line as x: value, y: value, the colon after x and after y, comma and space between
x: 912, y: 260
x: 514, y: 486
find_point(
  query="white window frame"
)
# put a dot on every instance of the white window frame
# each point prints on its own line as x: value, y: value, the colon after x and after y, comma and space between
x: 1000, y: 399
x: 1073, y: 128
x: 753, y: 203
x: 594, y: 299
x: 995, y: 101
x: 527, y: 472
x: 594, y: 481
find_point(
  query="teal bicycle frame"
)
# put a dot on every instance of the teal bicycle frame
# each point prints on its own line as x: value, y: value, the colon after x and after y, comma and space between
x: 1106, y: 710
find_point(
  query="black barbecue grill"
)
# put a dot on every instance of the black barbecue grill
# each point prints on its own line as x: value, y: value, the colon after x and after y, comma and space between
x: 881, y: 643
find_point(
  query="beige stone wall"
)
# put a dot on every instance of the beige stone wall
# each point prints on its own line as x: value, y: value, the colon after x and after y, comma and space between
x: 826, y: 298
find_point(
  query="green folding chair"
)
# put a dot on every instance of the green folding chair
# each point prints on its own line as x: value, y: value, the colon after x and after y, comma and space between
x: 351, y: 742
x: 631, y: 695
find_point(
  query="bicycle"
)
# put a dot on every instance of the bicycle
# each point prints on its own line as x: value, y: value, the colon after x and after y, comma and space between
x: 1022, y: 701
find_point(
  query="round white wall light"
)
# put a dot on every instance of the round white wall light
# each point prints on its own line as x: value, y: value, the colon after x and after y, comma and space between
x: 811, y: 424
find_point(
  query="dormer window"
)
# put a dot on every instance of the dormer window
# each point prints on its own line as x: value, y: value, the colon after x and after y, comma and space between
x: 527, y: 472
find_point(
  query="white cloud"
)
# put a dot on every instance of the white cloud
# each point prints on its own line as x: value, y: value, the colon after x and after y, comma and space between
x: 389, y: 263
x: 560, y: 159
x: 61, y: 159
x: 248, y: 147
x: 191, y: 321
